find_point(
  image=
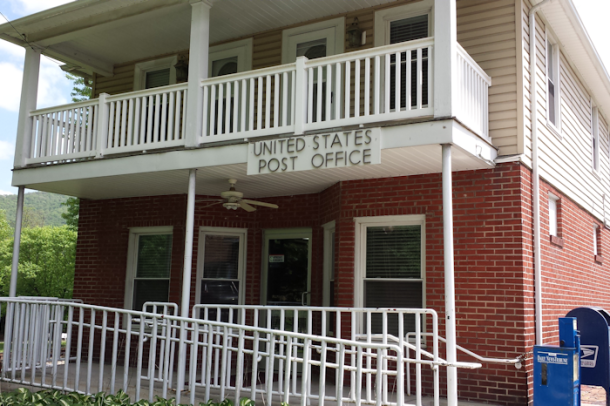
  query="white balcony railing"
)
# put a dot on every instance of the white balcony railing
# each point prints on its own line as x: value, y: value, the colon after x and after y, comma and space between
x: 389, y: 83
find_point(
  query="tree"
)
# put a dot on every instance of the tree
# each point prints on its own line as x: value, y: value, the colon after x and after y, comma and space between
x: 71, y: 214
x: 46, y: 262
x: 81, y: 88
x: 6, y: 231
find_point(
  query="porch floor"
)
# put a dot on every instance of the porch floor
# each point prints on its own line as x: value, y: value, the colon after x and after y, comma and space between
x: 171, y: 392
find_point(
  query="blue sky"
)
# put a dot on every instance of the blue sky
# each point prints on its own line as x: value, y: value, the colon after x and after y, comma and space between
x: 54, y: 88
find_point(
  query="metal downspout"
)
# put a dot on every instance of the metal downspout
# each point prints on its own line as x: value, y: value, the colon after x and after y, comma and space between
x: 535, y: 175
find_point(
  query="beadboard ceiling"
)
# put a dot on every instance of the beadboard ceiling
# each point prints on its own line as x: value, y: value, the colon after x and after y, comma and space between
x: 101, y: 33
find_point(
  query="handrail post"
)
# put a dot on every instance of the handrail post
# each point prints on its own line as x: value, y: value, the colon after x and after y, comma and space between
x: 300, y: 96
x: 445, y: 58
x: 102, y: 125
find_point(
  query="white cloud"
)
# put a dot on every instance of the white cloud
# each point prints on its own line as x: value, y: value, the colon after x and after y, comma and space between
x: 6, y: 150
x: 2, y: 192
x: 11, y: 50
x: 10, y: 83
x: 33, y: 6
x: 53, y: 87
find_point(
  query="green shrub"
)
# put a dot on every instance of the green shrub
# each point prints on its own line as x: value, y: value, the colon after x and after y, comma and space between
x: 49, y: 397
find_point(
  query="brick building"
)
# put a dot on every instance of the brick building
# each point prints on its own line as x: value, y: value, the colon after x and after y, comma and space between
x: 445, y: 203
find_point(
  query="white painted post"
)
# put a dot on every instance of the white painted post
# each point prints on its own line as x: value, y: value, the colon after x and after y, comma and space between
x: 186, y: 278
x: 449, y: 276
x: 188, y: 244
x: 445, y: 58
x: 16, y: 243
x: 102, y: 125
x: 29, y: 97
x: 198, y: 69
x: 300, y: 96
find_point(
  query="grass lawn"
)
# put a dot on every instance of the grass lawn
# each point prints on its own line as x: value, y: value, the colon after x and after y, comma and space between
x: 1, y: 346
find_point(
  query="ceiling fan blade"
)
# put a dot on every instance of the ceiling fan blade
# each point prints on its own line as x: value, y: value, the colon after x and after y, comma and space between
x: 246, y: 207
x: 263, y: 204
x: 218, y: 202
x: 208, y: 200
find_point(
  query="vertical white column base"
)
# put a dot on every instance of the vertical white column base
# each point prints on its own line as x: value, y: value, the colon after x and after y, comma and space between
x: 450, y: 322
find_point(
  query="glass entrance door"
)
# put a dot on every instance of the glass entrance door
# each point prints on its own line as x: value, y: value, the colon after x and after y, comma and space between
x: 287, y: 267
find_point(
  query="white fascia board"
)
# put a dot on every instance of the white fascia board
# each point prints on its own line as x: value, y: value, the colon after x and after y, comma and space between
x: 473, y: 144
x: 418, y: 134
x: 154, y: 162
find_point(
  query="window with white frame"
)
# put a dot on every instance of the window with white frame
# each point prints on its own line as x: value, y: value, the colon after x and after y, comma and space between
x: 229, y: 58
x: 149, y: 258
x: 400, y: 24
x: 220, y: 266
x: 391, y: 266
x: 597, y: 242
x: 553, y: 229
x: 595, y: 137
x: 160, y: 72
x: 553, y: 81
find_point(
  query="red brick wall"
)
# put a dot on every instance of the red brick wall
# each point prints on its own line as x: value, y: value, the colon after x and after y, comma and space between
x: 104, y: 236
x: 571, y: 276
x: 493, y: 256
x: 491, y: 288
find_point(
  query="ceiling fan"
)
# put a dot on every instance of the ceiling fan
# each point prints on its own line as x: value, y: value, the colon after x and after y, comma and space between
x: 232, y: 200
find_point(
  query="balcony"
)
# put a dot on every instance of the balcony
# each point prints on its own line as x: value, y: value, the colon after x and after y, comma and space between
x: 356, y: 89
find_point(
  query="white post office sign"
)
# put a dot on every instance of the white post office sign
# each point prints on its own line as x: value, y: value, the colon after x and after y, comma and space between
x: 341, y: 149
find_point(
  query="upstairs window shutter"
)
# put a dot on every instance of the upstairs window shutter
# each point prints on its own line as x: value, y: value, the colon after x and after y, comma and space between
x: 157, y: 78
x: 409, y: 29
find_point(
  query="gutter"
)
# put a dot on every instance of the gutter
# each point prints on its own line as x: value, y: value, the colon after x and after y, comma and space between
x: 535, y: 175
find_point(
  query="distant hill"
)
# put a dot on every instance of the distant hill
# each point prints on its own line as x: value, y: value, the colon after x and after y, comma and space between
x: 40, y: 208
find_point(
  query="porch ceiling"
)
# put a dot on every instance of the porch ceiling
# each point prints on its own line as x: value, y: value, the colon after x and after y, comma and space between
x: 211, y: 180
x: 96, y: 35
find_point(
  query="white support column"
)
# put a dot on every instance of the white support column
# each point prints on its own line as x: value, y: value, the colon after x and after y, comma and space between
x: 198, y: 68
x: 29, y: 97
x: 186, y: 279
x: 450, y: 321
x: 445, y: 57
x: 188, y: 245
x: 16, y: 243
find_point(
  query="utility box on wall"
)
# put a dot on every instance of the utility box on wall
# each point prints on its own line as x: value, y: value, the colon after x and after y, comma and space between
x: 557, y: 369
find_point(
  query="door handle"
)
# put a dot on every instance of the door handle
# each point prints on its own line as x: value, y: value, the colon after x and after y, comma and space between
x: 303, y: 298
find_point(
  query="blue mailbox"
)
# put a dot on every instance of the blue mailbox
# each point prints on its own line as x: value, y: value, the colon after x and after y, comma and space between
x: 594, y: 326
x: 557, y: 370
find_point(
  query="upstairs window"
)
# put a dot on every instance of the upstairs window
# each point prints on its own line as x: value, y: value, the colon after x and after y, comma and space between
x: 399, y: 24
x: 409, y: 29
x: 553, y: 82
x: 157, y: 73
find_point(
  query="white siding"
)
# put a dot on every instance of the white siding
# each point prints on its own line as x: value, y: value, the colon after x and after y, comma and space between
x: 566, y: 159
x: 487, y: 31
